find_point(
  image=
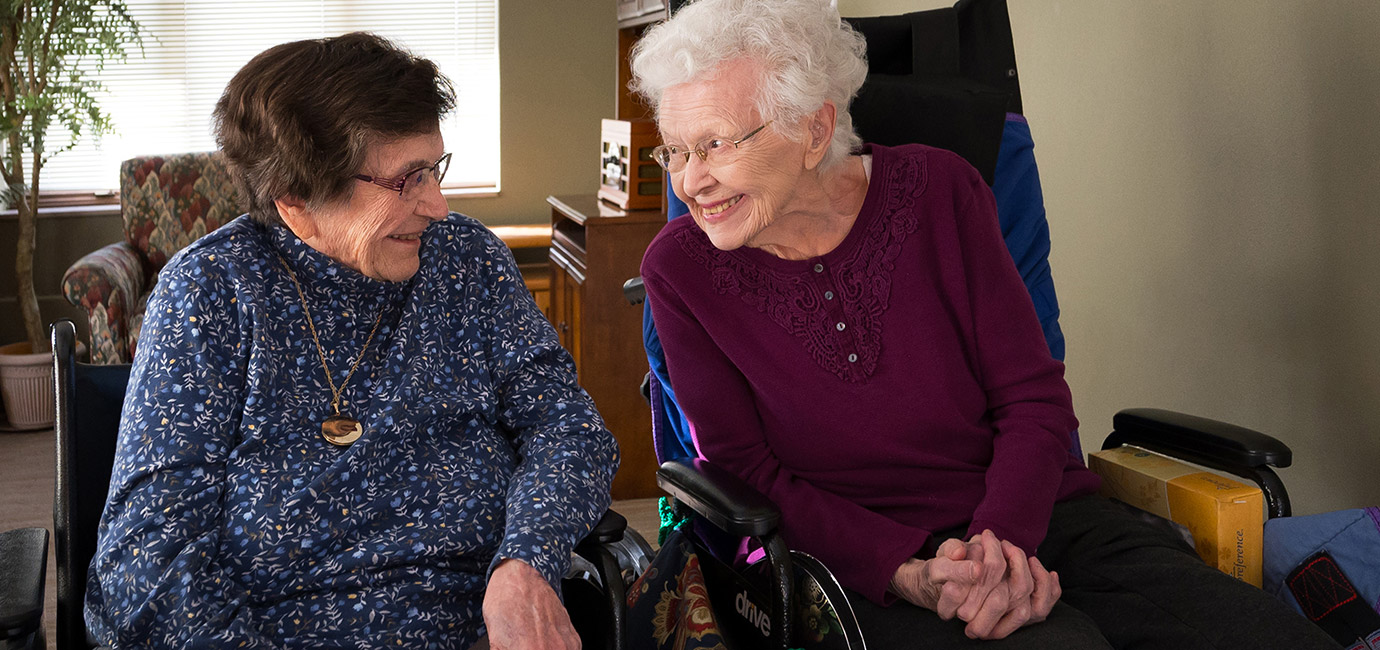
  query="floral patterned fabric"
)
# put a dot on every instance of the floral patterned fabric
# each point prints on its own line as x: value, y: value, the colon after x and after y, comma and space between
x: 668, y: 605
x: 108, y: 284
x: 231, y: 522
x: 166, y: 202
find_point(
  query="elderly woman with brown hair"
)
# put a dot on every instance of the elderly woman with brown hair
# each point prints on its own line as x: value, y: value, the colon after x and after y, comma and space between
x: 348, y: 424
x: 845, y: 330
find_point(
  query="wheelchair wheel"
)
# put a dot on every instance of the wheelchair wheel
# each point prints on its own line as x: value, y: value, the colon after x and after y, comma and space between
x: 824, y: 618
x: 632, y: 552
x: 634, y: 555
x: 587, y: 597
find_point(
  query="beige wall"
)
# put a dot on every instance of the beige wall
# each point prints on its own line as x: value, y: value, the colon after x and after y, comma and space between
x: 1212, y: 176
x: 557, y: 71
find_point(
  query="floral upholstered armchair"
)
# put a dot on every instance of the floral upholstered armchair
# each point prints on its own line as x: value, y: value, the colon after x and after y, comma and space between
x: 166, y: 202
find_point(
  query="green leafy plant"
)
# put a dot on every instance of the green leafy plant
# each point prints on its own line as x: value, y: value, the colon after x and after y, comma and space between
x: 49, y: 50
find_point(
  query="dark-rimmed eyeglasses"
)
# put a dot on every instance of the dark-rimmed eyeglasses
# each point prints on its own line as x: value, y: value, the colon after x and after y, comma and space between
x: 712, y: 151
x: 408, y: 185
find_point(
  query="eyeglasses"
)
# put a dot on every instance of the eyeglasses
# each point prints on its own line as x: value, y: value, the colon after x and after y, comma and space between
x: 713, y: 151
x: 408, y: 185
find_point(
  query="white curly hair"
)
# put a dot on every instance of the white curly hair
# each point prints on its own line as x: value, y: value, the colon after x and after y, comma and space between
x: 806, y: 53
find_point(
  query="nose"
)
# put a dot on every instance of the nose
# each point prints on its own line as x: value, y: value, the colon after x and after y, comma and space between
x: 432, y: 203
x: 696, y: 176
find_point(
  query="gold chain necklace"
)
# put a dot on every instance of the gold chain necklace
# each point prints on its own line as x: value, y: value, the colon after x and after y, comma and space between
x: 339, y: 430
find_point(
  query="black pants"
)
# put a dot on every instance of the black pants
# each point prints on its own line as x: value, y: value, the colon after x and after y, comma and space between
x: 1128, y: 584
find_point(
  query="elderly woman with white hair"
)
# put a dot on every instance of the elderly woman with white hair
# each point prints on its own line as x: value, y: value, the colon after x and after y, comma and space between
x: 845, y: 330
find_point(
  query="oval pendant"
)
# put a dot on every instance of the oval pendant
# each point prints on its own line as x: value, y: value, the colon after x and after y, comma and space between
x: 341, y: 431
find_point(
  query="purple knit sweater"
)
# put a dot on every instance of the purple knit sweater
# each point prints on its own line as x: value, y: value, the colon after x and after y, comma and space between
x: 896, y: 386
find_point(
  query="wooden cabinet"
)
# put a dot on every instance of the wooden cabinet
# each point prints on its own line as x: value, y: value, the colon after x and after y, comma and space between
x: 634, y: 10
x: 595, y: 247
x: 634, y: 18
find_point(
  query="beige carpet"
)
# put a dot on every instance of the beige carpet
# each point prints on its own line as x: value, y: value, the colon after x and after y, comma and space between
x: 26, y: 499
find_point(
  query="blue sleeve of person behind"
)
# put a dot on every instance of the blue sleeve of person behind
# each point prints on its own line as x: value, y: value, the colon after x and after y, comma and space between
x: 674, y: 206
x: 670, y: 430
x: 1021, y: 211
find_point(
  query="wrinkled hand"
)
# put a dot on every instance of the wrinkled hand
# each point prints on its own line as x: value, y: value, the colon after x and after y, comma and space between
x: 990, y: 593
x: 940, y: 584
x: 1012, y: 591
x: 522, y: 611
x: 988, y: 583
x: 1047, y: 591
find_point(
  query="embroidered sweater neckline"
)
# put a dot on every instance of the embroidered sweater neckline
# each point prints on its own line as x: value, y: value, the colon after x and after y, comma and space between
x: 833, y: 303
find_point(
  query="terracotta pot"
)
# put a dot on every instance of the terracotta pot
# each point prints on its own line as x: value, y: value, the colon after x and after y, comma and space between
x: 26, y: 384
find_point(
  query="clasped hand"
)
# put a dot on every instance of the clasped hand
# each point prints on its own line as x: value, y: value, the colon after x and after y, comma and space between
x: 986, y: 582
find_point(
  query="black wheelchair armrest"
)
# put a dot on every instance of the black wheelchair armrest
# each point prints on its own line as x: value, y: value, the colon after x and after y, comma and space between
x: 1171, y: 433
x: 609, y: 530
x: 1227, y: 447
x: 634, y: 291
x: 23, y: 567
x: 723, y: 499
x: 731, y: 505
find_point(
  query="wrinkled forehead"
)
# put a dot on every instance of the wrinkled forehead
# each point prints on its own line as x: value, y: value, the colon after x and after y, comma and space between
x: 392, y: 156
x: 721, y: 104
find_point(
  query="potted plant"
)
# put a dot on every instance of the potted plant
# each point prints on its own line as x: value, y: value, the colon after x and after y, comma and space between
x: 48, y: 52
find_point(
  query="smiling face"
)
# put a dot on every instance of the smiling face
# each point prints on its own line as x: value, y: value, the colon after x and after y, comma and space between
x: 736, y: 203
x: 375, y: 231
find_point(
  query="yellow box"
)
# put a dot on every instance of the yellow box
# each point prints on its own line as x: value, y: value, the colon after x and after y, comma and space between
x: 1225, y: 516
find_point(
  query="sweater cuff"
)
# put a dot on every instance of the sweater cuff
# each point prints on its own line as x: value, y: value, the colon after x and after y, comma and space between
x: 543, y: 563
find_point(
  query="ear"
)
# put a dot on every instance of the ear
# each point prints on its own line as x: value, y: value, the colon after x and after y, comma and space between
x: 294, y: 213
x: 820, y: 134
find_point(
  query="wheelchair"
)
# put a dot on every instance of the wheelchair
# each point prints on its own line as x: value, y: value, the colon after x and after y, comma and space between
x: 89, y: 400
x: 956, y: 67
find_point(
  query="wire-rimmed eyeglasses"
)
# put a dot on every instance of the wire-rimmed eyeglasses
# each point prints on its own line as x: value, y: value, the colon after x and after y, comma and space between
x: 713, y: 151
x: 408, y: 184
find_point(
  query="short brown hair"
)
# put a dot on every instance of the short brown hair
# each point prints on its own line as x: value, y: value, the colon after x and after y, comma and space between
x: 298, y: 119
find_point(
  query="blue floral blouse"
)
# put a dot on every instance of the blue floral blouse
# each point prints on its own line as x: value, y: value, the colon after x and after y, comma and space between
x: 231, y: 522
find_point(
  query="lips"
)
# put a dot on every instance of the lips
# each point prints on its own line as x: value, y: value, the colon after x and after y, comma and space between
x: 717, y: 208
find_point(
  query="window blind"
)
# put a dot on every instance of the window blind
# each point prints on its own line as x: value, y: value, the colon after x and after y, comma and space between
x: 161, y: 101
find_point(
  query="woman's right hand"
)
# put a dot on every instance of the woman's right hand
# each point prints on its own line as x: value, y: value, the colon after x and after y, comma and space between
x: 523, y: 612
x: 942, y: 583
